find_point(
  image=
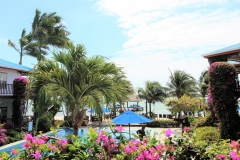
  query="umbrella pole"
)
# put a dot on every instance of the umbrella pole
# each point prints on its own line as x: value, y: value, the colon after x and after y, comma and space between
x: 129, y: 130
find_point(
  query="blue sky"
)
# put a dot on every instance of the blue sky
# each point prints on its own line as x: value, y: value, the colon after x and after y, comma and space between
x: 147, y: 38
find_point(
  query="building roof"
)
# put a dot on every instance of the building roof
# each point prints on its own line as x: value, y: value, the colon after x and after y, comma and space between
x: 224, y: 51
x: 133, y: 98
x: 14, y: 66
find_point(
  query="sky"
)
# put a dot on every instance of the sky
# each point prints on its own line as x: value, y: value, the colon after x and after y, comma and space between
x: 146, y: 38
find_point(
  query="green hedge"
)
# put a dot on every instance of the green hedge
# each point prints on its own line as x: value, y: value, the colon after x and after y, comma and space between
x: 205, y: 121
x: 163, y: 123
x: 207, y: 134
x: 45, y: 122
x: 14, y: 136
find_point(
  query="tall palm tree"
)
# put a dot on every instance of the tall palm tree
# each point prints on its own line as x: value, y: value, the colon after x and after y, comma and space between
x: 142, y: 94
x: 87, y: 81
x: 181, y: 83
x: 23, y: 44
x: 152, y: 93
x: 47, y: 30
x: 203, y: 83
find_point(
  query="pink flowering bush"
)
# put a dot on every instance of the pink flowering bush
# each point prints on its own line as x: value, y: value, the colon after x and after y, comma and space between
x: 103, y: 146
x: 19, y: 93
x: 3, y: 136
x: 223, y: 98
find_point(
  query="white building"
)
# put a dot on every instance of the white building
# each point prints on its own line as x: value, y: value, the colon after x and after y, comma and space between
x: 8, y: 72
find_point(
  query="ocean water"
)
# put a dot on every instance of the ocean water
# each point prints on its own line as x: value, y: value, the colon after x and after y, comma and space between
x: 157, y: 108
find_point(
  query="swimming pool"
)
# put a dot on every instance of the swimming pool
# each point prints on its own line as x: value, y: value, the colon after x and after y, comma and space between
x: 62, y: 132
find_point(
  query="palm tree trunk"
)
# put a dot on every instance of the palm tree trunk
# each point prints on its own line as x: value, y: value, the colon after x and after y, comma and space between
x: 146, y: 107
x: 75, y: 126
x: 150, y: 110
x: 78, y: 119
x: 20, y: 62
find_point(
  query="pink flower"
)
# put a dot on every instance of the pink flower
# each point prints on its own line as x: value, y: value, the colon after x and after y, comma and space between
x: 14, y: 151
x: 119, y: 128
x: 37, y: 155
x: 28, y: 137
x: 40, y: 141
x: 134, y: 148
x: 127, y: 149
x: 26, y: 145
x: 168, y: 132
x: 221, y: 157
x: 234, y: 156
x: 187, y: 129
x: 234, y: 144
x: 170, y: 157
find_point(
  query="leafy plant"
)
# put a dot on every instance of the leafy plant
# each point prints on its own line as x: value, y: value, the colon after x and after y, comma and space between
x: 14, y: 135
x: 163, y: 123
x: 207, y: 134
x: 45, y: 122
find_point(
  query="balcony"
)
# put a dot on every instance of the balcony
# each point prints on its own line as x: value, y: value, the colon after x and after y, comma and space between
x: 6, y: 89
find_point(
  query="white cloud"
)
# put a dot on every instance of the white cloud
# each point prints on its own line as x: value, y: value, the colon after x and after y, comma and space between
x: 171, y: 34
x: 3, y: 40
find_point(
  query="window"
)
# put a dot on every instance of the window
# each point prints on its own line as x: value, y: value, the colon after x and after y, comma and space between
x: 3, y: 80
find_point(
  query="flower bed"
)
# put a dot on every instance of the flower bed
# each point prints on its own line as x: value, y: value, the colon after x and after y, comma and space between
x: 101, y: 145
x: 163, y: 124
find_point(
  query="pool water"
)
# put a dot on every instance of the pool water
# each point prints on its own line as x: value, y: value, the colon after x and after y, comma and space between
x: 62, y: 132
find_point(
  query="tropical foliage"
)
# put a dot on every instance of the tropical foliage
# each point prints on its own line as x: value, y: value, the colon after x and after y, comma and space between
x: 203, y: 83
x: 181, y: 83
x: 86, y: 82
x: 24, y: 44
x: 106, y: 146
x: 152, y: 93
x: 47, y: 30
x: 186, y: 104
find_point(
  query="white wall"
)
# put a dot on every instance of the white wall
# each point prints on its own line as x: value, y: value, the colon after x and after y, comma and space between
x: 11, y: 74
x: 7, y: 103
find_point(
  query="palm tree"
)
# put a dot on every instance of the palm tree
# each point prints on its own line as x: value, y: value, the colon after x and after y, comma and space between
x: 181, y: 83
x: 152, y: 93
x: 142, y: 94
x: 23, y: 44
x: 87, y: 81
x: 203, y: 83
x: 123, y: 88
x: 47, y: 30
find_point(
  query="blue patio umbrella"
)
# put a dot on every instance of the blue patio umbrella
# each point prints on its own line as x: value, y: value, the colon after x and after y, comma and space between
x: 105, y: 110
x: 129, y: 117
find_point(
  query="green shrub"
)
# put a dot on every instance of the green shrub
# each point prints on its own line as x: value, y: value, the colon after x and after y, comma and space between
x: 205, y: 121
x: 14, y: 135
x: 207, y: 134
x: 163, y: 123
x: 45, y: 122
